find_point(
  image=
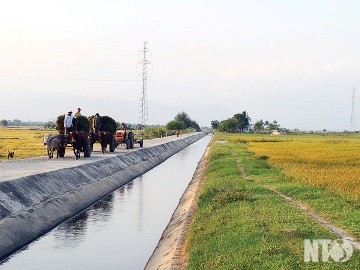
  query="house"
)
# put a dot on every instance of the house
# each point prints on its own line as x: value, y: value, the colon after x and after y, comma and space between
x: 248, y: 128
x: 277, y: 132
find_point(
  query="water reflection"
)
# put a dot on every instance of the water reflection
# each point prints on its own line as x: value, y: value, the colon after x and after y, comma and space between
x: 120, y: 231
x: 120, y: 192
x: 140, y: 211
x: 105, y: 206
x: 72, y: 232
x: 129, y: 186
x: 102, y: 210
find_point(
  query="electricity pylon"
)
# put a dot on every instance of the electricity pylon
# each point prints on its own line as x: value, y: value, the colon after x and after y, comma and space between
x: 144, y: 104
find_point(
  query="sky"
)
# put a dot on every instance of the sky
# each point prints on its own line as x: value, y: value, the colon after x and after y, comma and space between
x: 296, y: 62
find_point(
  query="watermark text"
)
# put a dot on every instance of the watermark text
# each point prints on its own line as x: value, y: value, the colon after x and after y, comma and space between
x: 327, y: 250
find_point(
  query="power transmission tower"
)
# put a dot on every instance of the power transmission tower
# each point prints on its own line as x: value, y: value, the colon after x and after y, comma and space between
x: 352, y: 121
x: 144, y: 105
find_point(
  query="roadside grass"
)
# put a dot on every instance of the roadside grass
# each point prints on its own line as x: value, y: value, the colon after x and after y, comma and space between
x: 240, y: 224
x: 25, y: 142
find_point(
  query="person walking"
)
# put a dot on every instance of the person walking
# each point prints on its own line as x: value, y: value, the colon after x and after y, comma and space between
x: 68, y: 122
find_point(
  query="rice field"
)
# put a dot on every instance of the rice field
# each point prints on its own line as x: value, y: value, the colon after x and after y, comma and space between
x: 326, y: 161
x: 25, y: 142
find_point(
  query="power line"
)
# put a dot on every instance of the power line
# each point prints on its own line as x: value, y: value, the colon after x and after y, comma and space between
x: 66, y: 79
x: 60, y: 64
x: 49, y: 28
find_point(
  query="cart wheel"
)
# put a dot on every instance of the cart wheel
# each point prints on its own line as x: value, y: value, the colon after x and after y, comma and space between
x: 62, y: 151
x: 87, y: 149
x: 131, y: 140
x: 112, y: 145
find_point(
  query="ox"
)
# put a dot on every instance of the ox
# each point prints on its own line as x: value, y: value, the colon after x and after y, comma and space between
x: 52, y: 143
x: 80, y: 143
x: 105, y: 138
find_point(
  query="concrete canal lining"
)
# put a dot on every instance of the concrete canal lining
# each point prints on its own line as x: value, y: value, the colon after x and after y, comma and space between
x: 31, y: 206
x: 171, y: 251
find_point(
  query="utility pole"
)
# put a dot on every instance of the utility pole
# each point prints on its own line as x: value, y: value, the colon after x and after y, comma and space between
x: 144, y: 105
x: 352, y: 121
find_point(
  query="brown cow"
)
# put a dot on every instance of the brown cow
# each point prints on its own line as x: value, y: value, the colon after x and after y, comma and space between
x: 80, y: 143
x: 104, y: 139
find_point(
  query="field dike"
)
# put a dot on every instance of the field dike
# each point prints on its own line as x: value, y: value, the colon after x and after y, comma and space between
x: 31, y: 206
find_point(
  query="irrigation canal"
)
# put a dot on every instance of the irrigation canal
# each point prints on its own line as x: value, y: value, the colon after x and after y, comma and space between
x: 120, y: 231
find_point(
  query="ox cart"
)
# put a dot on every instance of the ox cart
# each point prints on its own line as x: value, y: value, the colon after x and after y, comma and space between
x: 122, y: 136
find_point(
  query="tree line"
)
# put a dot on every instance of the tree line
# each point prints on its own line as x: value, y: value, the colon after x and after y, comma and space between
x: 183, y: 121
x: 19, y: 123
x: 241, y: 122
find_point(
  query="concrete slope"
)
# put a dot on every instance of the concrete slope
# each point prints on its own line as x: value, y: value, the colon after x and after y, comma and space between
x: 31, y: 206
x: 170, y: 252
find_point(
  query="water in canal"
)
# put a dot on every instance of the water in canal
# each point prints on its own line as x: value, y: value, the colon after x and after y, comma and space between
x: 120, y: 231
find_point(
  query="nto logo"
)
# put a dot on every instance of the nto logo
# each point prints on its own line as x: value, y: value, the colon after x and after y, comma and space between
x: 331, y: 250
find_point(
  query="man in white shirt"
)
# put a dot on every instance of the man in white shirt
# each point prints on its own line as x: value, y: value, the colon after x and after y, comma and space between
x: 68, y: 122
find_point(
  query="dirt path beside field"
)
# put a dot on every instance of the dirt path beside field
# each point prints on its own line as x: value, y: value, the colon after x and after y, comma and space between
x: 341, y: 233
x: 305, y: 208
x: 17, y: 168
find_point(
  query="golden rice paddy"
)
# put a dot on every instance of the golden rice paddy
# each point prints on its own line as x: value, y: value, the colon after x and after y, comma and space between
x: 325, y: 161
x: 25, y: 142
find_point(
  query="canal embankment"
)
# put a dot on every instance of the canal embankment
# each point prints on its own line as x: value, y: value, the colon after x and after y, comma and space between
x: 32, y: 205
x: 171, y: 251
